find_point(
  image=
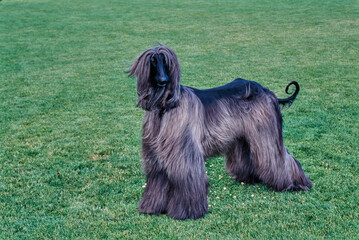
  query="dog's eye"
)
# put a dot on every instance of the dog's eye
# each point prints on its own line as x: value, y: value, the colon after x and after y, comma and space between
x: 163, y: 59
x: 153, y: 61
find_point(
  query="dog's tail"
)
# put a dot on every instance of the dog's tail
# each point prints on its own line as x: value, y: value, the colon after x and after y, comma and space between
x: 286, y: 102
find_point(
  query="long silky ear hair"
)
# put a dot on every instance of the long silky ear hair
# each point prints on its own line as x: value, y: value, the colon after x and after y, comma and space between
x: 150, y: 98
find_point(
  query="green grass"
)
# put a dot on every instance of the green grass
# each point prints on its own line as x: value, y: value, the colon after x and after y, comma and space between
x: 70, y: 130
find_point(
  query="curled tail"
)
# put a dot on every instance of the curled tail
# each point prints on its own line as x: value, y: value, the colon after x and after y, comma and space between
x: 286, y: 102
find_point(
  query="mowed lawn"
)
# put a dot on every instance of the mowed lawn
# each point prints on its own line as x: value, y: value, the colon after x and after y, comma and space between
x: 70, y: 131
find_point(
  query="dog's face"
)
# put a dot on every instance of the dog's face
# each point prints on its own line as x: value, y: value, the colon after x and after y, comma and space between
x: 158, y: 78
x: 159, y: 71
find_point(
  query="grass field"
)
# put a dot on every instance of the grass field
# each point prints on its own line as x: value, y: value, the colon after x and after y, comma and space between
x: 70, y: 130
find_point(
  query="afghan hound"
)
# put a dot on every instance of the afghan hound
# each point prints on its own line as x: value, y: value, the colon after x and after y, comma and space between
x: 183, y: 126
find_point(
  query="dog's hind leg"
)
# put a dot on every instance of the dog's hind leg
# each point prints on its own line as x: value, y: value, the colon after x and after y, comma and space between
x: 272, y: 162
x: 278, y: 169
x: 300, y: 181
x: 239, y: 164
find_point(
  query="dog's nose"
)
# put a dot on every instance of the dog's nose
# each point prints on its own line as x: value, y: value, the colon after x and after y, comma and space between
x: 162, y: 81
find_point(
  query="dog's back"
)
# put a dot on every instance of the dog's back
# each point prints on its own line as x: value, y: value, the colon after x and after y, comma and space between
x: 240, y: 89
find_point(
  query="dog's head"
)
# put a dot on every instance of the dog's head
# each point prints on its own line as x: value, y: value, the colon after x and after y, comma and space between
x: 158, y: 78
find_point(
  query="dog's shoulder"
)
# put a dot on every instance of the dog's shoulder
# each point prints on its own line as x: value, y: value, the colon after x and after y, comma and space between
x: 239, y: 89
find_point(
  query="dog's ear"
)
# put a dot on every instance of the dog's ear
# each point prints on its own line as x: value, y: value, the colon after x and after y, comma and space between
x: 141, y: 67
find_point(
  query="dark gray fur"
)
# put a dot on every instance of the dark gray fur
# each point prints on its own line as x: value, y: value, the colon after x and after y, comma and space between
x: 183, y: 126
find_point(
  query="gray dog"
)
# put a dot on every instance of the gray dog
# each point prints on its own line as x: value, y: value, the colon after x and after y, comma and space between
x: 183, y: 126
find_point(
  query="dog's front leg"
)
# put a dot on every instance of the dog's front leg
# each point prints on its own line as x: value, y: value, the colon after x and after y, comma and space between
x: 188, y: 186
x: 155, y: 197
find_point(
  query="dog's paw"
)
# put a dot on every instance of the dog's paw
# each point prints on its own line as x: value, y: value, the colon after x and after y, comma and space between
x: 150, y: 206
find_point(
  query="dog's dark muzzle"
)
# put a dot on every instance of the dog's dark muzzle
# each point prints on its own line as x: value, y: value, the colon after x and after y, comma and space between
x: 162, y: 81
